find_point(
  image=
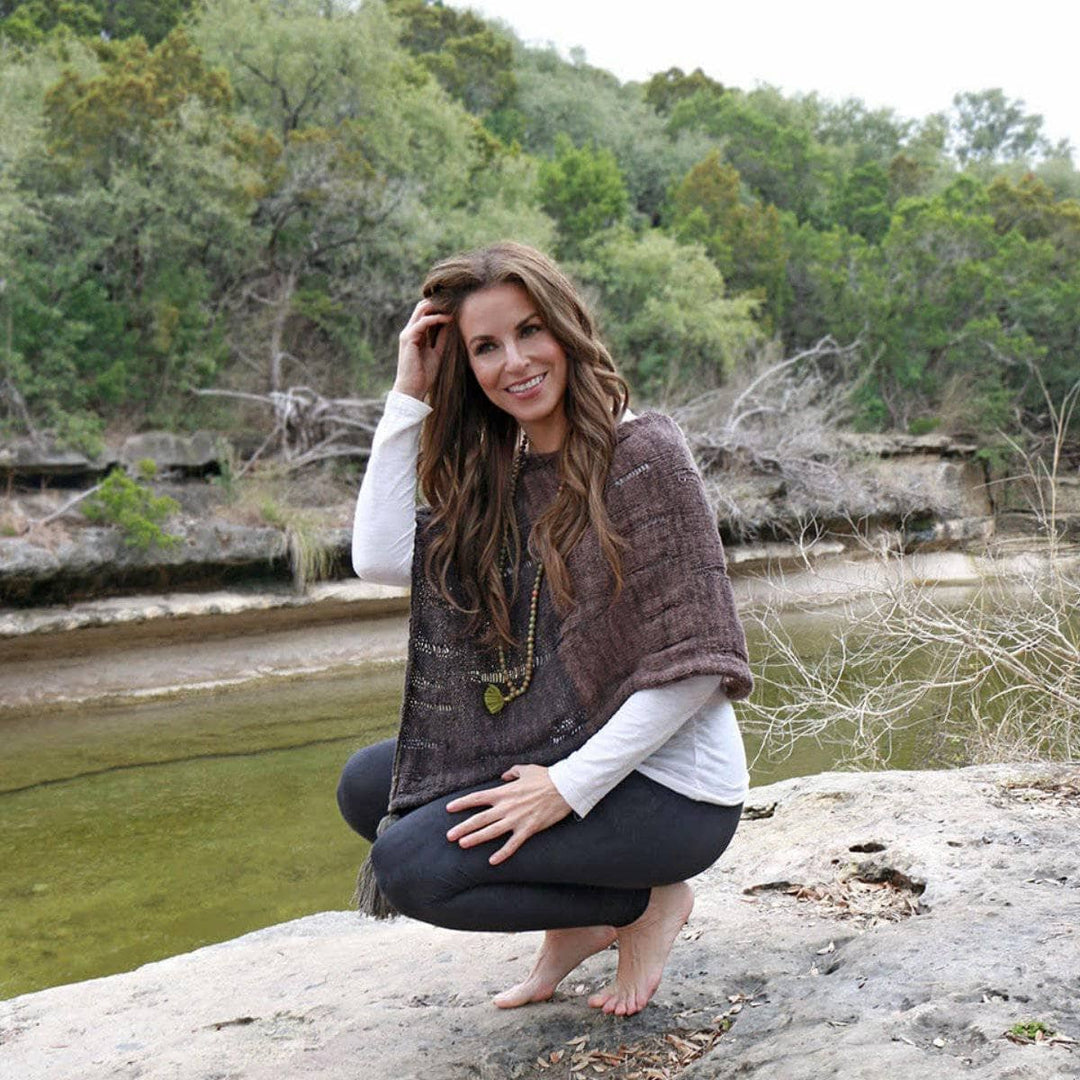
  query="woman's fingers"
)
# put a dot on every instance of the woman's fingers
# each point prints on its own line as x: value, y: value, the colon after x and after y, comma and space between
x: 412, y: 329
x: 482, y: 836
x: 508, y: 849
x: 420, y: 349
x: 487, y: 797
x: 527, y: 804
x: 469, y: 825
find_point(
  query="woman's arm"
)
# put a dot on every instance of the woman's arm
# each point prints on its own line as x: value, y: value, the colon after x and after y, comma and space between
x: 640, y: 726
x: 531, y: 800
x: 384, y: 524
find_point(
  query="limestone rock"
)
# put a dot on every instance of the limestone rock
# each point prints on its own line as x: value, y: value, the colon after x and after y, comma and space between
x: 860, y: 925
x: 193, y: 454
x: 24, y: 457
x: 95, y: 561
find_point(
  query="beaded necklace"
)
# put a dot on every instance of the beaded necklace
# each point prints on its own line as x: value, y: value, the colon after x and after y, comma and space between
x: 496, y: 698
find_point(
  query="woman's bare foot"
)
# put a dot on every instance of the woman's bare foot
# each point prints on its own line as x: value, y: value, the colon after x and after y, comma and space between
x: 560, y: 953
x: 643, y: 950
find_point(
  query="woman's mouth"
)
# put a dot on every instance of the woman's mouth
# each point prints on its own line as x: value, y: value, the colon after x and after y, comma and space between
x: 527, y: 385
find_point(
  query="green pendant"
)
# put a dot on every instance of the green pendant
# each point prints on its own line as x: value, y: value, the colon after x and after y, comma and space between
x: 494, y: 699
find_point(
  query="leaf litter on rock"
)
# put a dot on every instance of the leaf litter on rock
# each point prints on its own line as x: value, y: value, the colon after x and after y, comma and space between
x: 1050, y: 792
x: 867, y: 903
x: 654, y: 1057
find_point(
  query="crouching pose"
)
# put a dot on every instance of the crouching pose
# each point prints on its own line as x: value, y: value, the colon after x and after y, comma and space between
x: 568, y: 754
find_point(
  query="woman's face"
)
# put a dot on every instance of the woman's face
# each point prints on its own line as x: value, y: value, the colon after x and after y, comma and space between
x: 517, y: 361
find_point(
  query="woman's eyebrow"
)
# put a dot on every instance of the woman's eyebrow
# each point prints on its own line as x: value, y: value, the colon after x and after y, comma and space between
x: 488, y: 337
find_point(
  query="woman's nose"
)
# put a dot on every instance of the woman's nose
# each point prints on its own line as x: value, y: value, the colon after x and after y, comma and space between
x: 514, y: 356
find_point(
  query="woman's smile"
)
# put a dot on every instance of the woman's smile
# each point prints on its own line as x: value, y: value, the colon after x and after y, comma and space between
x: 518, y: 362
x: 523, y: 388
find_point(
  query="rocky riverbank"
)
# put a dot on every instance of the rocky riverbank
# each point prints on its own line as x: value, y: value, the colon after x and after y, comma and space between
x: 864, y: 925
x: 909, y: 493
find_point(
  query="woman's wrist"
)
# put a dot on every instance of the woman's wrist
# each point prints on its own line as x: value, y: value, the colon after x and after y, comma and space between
x: 410, y: 389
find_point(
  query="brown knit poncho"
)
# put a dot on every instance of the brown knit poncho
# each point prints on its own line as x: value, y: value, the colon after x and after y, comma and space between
x: 674, y: 618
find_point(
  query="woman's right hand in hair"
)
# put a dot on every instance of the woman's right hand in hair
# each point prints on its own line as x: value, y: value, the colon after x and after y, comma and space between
x: 420, y: 349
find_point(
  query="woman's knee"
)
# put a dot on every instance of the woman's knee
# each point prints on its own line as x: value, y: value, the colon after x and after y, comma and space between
x: 364, y: 788
x: 401, y: 869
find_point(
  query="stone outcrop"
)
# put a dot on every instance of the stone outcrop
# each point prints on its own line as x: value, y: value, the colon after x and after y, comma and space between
x: 189, y: 455
x: 860, y: 925
x: 923, y: 493
x: 23, y: 460
x: 94, y: 561
x: 909, y: 482
x: 26, y: 460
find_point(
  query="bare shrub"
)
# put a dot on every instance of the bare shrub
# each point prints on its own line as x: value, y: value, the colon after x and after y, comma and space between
x: 993, y: 677
x: 778, y: 457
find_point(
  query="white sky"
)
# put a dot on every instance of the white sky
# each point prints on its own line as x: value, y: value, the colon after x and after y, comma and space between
x: 911, y: 56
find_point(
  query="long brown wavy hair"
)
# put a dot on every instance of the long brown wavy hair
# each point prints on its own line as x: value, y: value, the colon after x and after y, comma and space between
x: 468, y: 445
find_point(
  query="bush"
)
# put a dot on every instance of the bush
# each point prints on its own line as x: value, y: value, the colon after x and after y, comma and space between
x: 134, y: 509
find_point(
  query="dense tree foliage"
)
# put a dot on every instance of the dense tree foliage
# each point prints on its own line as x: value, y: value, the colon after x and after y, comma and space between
x: 246, y: 193
x: 31, y: 21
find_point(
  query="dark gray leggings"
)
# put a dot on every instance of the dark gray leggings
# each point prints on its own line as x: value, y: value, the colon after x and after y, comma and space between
x: 592, y: 871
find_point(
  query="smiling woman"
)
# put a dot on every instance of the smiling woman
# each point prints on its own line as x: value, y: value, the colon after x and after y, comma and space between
x: 517, y: 361
x: 568, y: 754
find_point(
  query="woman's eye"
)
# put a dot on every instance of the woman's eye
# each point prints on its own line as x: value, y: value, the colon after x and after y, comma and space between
x: 532, y: 328
x: 483, y: 347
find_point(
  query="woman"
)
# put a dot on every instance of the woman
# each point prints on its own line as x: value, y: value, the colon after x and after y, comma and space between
x: 568, y: 755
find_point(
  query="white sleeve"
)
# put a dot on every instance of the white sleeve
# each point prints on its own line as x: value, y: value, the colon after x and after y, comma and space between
x: 384, y: 525
x: 640, y: 726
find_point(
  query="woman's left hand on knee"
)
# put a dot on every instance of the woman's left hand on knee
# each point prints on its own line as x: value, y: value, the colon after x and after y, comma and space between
x: 527, y: 804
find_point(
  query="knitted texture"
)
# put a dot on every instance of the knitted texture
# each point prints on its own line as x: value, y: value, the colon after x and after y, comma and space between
x: 675, y: 618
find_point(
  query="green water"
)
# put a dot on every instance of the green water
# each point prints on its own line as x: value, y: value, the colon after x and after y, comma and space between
x: 137, y: 831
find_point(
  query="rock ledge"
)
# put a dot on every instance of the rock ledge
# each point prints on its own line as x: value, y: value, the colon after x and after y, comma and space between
x: 866, y: 925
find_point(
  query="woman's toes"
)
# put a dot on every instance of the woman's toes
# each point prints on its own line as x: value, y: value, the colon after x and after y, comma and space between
x: 510, y: 999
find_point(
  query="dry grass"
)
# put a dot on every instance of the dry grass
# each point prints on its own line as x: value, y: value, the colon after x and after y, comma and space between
x: 995, y: 677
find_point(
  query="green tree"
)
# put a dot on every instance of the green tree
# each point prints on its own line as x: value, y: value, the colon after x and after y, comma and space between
x: 583, y: 190
x: 867, y: 134
x: 134, y: 509
x: 742, y: 236
x: 775, y: 154
x: 113, y: 119
x: 141, y: 198
x: 665, y: 314
x: 986, y: 126
x: 667, y: 88
x: 962, y: 313
x: 864, y: 206
x: 470, y: 58
x: 829, y: 281
x: 30, y: 22
x: 591, y: 108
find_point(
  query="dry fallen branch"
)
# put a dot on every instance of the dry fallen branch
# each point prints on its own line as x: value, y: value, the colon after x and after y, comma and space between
x: 308, y: 428
x: 785, y: 419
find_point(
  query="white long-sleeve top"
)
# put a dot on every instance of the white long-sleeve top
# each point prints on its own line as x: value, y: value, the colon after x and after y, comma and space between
x: 682, y: 735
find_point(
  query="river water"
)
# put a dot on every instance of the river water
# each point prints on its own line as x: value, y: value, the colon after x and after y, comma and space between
x: 137, y: 830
